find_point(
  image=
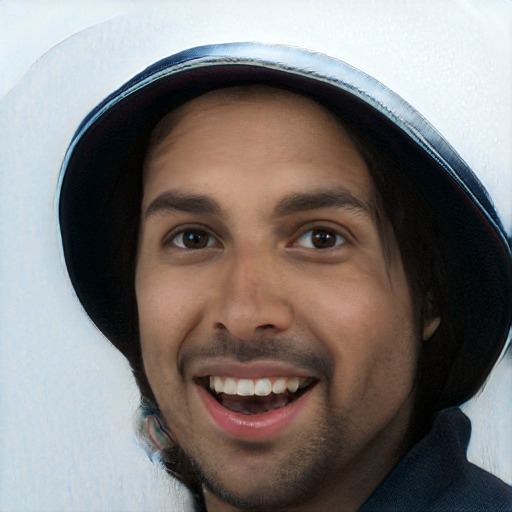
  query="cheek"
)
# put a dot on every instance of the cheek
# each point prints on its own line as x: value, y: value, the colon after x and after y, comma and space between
x: 368, y: 327
x: 168, y: 310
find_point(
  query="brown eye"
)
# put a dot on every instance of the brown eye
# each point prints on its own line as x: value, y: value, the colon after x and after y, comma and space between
x: 320, y: 238
x: 193, y: 239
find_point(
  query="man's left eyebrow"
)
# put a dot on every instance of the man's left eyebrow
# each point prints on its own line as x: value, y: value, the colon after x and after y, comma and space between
x: 332, y: 198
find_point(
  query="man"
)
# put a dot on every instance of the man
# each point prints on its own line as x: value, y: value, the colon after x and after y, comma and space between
x: 304, y: 276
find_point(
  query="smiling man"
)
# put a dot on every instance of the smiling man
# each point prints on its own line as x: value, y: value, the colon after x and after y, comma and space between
x: 286, y: 267
x: 292, y: 355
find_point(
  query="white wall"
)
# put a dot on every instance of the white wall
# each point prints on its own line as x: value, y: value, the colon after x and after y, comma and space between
x: 67, y: 397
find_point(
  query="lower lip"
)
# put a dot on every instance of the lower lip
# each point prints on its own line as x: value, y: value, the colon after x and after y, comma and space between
x: 253, y: 427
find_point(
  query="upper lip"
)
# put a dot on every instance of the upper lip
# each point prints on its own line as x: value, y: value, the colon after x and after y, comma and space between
x: 249, y: 370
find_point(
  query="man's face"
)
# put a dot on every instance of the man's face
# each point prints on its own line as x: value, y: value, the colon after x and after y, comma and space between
x: 260, y: 268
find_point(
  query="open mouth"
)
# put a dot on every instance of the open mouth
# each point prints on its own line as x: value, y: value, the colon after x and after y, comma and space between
x: 255, y: 396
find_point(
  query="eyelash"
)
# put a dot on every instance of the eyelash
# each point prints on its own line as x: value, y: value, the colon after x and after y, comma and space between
x: 170, y: 239
x: 339, y: 239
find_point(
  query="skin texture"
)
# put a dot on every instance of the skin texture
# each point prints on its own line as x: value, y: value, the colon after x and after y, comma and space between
x: 260, y: 293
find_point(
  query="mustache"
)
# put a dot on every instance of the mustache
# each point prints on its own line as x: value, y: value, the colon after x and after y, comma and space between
x: 295, y: 350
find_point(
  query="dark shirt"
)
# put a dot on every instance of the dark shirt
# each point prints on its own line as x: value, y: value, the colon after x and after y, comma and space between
x: 435, y: 475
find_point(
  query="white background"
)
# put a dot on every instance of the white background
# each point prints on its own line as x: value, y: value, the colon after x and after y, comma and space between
x: 67, y: 397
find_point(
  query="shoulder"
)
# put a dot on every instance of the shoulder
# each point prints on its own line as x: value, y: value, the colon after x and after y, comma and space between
x: 464, y: 486
x: 473, y: 490
x: 436, y: 476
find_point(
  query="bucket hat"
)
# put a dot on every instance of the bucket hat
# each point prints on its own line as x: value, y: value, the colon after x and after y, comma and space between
x: 100, y: 186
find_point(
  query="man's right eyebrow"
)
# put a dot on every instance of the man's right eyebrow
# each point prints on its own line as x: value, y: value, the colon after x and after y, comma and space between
x: 175, y: 200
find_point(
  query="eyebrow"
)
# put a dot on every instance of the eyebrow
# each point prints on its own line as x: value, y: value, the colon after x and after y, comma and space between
x: 175, y: 200
x: 332, y: 198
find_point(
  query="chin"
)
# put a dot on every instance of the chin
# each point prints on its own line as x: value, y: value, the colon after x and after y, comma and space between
x: 259, y: 496
x: 269, y: 481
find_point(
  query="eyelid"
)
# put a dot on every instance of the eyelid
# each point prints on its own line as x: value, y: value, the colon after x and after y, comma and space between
x: 168, y: 239
x: 339, y: 240
x: 327, y: 226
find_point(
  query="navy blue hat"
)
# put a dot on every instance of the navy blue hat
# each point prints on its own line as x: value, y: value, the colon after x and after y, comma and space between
x: 100, y: 187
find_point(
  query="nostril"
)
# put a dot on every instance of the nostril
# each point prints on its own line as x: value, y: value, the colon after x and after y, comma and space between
x: 245, y: 331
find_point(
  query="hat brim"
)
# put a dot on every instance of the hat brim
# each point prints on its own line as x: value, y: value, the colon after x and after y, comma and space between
x: 94, y: 191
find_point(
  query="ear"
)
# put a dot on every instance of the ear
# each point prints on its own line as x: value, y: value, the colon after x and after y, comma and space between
x: 430, y: 326
x: 158, y: 433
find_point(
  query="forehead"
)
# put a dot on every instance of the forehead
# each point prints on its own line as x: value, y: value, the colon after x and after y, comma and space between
x: 250, y: 135
x: 210, y: 102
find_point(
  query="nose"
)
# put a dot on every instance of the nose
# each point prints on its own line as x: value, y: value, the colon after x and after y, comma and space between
x: 252, y: 298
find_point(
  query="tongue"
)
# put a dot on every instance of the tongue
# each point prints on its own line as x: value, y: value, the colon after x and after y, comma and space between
x: 253, y: 404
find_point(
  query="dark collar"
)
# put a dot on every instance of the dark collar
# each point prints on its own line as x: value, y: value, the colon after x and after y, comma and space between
x: 436, y: 475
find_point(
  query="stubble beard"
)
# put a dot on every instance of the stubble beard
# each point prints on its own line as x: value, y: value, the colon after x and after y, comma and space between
x: 288, y: 484
x: 285, y: 480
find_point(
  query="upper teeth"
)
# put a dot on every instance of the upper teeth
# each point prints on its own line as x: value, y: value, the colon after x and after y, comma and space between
x: 258, y: 387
